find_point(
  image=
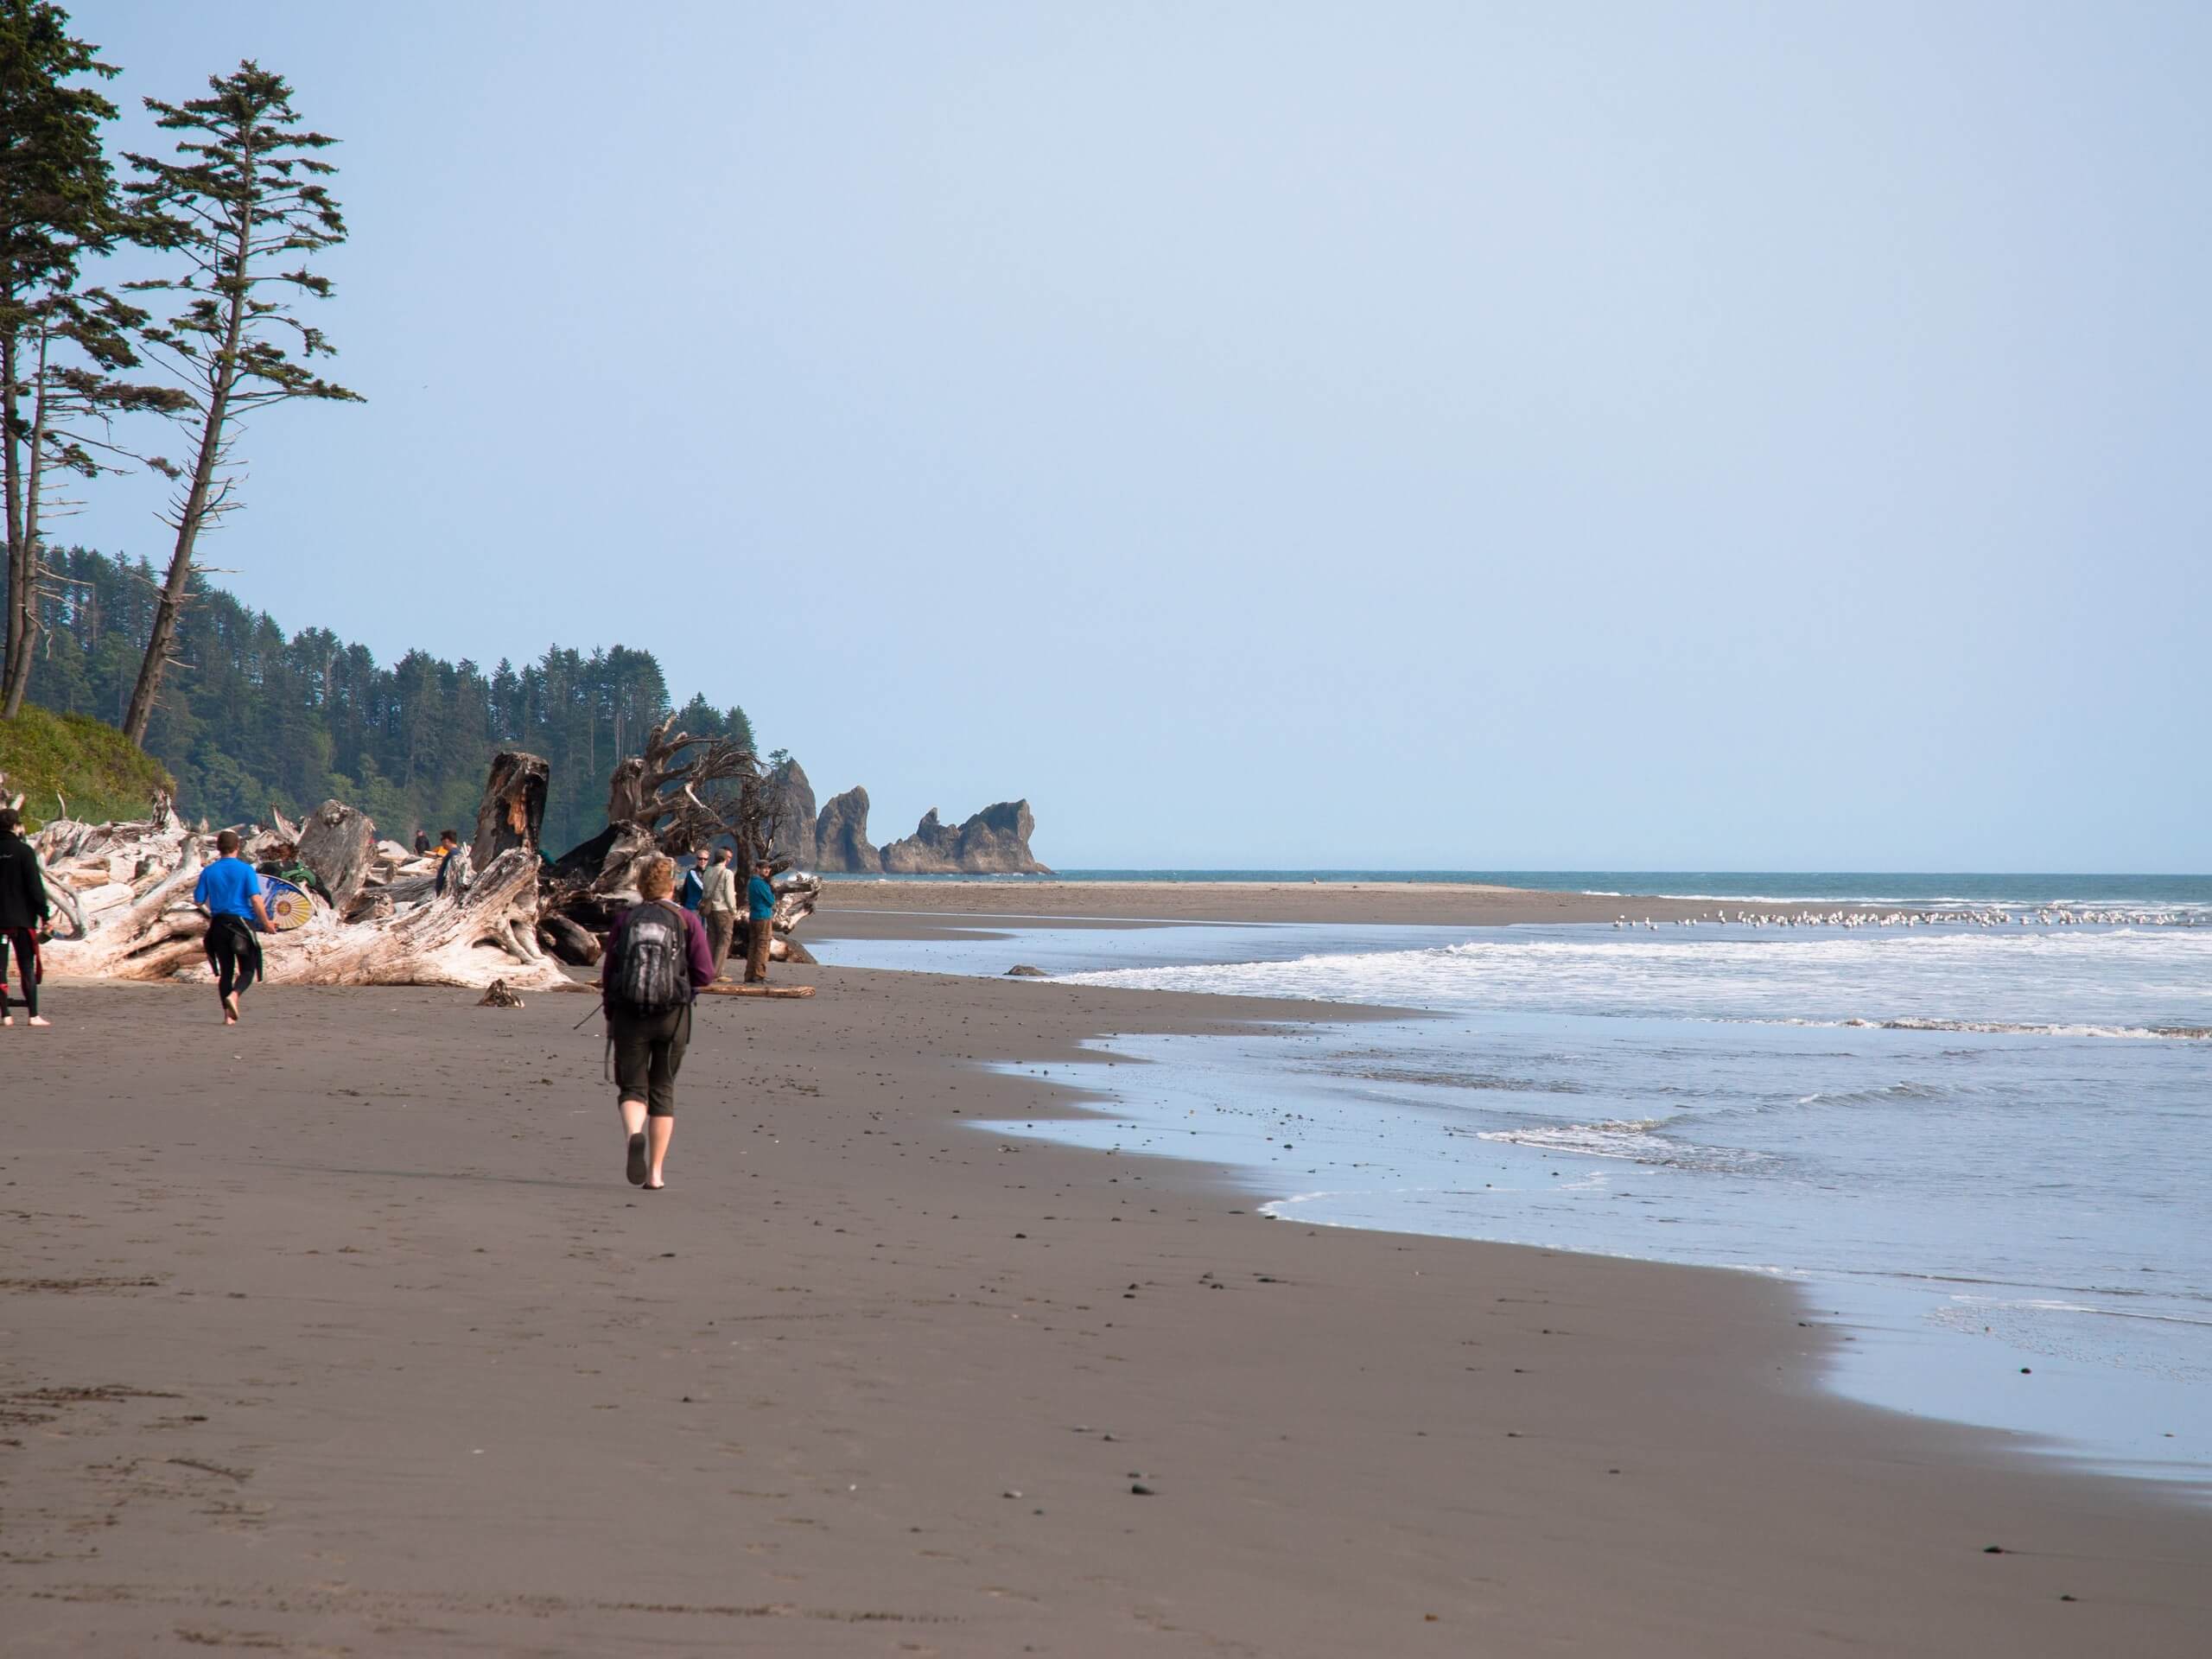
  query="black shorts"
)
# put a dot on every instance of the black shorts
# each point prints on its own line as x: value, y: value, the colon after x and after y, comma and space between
x: 648, y: 1049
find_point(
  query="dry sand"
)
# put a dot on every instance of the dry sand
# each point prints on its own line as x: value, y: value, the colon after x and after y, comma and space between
x: 857, y: 908
x: 342, y: 1334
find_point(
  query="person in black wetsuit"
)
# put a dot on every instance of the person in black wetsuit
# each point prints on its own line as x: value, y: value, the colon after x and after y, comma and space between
x: 230, y: 891
x: 24, y: 914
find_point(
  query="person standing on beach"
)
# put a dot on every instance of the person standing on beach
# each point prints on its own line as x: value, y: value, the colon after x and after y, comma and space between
x: 24, y: 914
x: 656, y: 961
x: 449, y: 846
x: 718, y: 907
x: 230, y: 891
x: 760, y: 915
x: 695, y: 887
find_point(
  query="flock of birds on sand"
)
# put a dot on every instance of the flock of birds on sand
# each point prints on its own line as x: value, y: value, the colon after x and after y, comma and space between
x: 2045, y: 917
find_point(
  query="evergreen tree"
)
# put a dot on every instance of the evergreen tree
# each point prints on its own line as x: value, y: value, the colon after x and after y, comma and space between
x: 241, y: 200
x: 61, y: 348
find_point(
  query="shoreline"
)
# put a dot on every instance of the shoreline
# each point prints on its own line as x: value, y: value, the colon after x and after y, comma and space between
x: 860, y: 908
x: 404, y: 1337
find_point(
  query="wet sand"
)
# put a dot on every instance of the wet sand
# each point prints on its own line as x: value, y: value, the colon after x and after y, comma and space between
x: 342, y: 1334
x: 858, y: 909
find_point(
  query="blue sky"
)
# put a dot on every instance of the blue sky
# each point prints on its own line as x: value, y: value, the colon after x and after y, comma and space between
x: 1706, y: 436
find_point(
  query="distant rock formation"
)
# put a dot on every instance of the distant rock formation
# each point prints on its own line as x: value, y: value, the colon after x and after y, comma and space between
x: 841, y: 844
x: 996, y: 841
x: 928, y: 851
x: 791, y: 820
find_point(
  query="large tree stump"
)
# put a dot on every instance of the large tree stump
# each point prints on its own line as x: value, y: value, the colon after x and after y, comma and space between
x: 338, y: 843
x: 513, y: 807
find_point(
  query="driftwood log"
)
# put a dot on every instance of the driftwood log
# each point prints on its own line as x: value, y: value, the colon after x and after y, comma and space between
x: 338, y: 843
x: 572, y: 944
x: 513, y: 808
x: 489, y: 933
x: 125, y: 889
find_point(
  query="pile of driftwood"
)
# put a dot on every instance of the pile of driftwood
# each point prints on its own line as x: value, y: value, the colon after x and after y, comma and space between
x: 506, y: 912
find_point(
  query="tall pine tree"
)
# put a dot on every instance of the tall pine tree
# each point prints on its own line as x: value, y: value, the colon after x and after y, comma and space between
x: 241, y: 206
x: 60, y: 347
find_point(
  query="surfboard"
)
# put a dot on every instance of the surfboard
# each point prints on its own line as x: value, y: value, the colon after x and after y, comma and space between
x: 289, y: 906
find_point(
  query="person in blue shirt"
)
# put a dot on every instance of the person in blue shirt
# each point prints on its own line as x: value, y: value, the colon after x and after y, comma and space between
x: 695, y: 887
x: 760, y: 912
x: 230, y: 891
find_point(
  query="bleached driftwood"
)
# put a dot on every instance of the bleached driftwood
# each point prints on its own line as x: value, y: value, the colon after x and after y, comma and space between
x: 151, y: 936
x: 489, y: 933
x: 125, y: 889
x: 338, y: 844
x: 796, y: 894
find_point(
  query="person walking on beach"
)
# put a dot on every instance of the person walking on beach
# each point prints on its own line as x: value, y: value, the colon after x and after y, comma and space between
x: 230, y: 891
x: 718, y: 907
x: 24, y: 914
x: 655, y: 962
x: 760, y: 914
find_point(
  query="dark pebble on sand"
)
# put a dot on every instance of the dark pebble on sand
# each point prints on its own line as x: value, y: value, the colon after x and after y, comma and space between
x: 1992, y: 1550
x: 1141, y: 1488
x: 2024, y: 1371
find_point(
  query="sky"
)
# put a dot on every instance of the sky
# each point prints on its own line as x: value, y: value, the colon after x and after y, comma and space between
x: 1389, y: 434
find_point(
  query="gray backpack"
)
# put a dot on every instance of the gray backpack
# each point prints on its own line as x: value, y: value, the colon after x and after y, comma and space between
x: 651, y: 974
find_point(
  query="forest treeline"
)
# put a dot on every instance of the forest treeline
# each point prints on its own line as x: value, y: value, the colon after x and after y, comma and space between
x: 255, y: 718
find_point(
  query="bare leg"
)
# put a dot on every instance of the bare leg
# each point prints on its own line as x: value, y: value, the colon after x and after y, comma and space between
x: 633, y: 1137
x: 660, y: 1129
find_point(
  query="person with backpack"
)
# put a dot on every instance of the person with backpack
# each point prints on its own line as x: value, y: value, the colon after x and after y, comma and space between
x: 657, y: 958
x: 25, y: 913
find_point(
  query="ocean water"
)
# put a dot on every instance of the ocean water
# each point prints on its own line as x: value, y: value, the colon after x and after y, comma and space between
x: 1987, y: 1153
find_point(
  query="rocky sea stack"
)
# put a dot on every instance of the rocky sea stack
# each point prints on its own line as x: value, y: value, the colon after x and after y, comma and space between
x: 995, y: 842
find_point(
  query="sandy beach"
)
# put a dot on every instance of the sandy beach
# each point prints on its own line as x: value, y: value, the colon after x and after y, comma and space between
x: 858, y: 908
x: 343, y: 1334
